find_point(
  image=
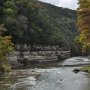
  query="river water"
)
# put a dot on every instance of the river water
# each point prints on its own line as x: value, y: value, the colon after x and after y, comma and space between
x: 55, y: 77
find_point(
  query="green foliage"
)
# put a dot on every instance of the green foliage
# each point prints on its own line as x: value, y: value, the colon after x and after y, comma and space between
x: 6, y: 46
x: 86, y: 69
x: 34, y: 22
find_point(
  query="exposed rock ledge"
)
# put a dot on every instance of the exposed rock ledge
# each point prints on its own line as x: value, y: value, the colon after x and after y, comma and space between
x: 21, y: 74
x: 18, y: 58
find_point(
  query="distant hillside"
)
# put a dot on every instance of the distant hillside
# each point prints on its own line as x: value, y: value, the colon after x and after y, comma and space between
x: 34, y: 22
x: 61, y: 20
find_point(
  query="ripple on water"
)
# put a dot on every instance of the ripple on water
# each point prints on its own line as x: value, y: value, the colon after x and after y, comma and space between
x: 61, y: 78
x: 24, y: 83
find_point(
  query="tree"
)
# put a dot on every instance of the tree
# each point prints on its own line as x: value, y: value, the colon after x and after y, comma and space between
x: 84, y: 23
x: 6, y: 46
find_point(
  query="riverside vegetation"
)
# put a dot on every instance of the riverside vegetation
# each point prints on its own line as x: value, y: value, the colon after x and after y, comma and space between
x: 6, y: 46
x: 34, y: 22
x: 84, y: 27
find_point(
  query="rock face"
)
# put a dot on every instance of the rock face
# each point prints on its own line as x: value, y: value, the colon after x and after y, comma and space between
x: 23, y: 74
x: 39, y: 54
x: 26, y: 47
x: 64, y: 55
x: 76, y: 70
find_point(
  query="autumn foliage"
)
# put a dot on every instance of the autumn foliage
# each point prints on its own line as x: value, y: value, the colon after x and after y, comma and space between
x: 6, y: 46
x: 84, y: 23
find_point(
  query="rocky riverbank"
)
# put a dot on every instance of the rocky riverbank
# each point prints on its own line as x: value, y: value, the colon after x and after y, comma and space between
x: 18, y: 78
x: 21, y: 74
x: 54, y: 76
x: 18, y: 59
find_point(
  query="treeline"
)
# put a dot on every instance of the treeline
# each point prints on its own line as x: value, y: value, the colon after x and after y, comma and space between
x: 82, y: 41
x: 34, y: 22
x: 84, y: 25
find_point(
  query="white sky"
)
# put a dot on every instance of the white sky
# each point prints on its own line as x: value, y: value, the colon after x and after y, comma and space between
x: 72, y: 4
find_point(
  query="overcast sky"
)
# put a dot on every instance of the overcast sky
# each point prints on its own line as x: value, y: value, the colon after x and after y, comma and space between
x: 72, y: 4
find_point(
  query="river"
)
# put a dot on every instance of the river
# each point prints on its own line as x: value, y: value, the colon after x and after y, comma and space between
x: 58, y: 76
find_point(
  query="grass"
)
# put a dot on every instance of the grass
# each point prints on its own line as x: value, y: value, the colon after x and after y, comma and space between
x: 86, y: 69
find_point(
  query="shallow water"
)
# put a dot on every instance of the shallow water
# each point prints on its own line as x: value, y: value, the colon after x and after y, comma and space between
x: 52, y: 78
x: 62, y: 79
